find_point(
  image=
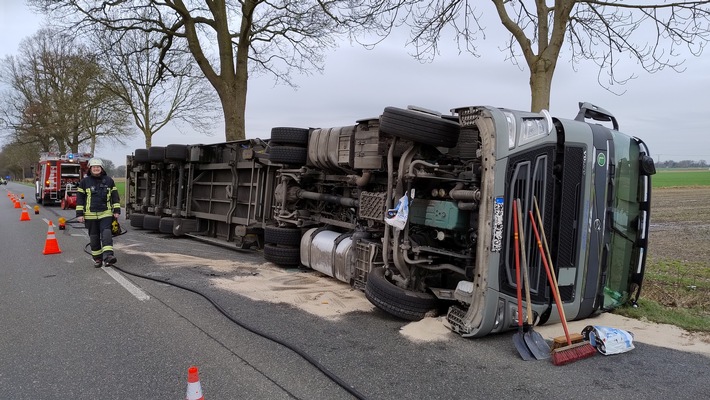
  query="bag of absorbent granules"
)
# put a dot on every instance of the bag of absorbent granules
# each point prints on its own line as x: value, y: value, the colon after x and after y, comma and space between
x: 608, y: 340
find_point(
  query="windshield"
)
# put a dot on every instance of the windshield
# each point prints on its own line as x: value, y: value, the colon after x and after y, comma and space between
x: 71, y: 172
x: 626, y: 221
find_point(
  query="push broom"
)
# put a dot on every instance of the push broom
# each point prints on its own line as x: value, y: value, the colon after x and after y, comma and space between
x: 571, y: 352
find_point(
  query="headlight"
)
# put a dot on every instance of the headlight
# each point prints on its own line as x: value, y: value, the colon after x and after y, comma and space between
x: 511, y: 128
x: 536, y: 127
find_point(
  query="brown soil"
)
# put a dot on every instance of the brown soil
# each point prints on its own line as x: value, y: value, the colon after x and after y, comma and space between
x: 679, y: 248
x: 680, y: 224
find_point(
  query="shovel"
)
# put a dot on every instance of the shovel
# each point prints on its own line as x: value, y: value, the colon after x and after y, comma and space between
x: 519, y: 337
x: 536, y: 343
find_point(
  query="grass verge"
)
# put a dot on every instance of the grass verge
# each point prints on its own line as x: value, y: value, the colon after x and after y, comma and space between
x: 650, y: 310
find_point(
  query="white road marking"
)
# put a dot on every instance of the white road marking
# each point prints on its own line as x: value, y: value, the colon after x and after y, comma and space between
x: 133, y: 289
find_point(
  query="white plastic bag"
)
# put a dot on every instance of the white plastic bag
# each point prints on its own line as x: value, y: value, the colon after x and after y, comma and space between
x: 609, y: 340
x: 397, y: 216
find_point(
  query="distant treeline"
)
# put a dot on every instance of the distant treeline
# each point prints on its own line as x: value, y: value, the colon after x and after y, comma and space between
x: 682, y: 164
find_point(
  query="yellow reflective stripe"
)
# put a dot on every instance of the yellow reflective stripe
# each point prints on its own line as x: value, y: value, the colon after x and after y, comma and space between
x: 80, y: 190
x: 97, y: 252
x: 98, y: 215
x: 80, y: 208
x: 88, y: 201
x: 116, y: 205
x: 107, y: 248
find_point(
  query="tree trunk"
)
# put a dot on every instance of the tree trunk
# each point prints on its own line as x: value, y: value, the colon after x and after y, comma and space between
x: 233, y: 101
x: 540, y: 86
x: 235, y: 123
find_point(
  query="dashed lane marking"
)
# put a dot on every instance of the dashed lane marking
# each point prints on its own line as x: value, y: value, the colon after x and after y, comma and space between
x: 132, y: 289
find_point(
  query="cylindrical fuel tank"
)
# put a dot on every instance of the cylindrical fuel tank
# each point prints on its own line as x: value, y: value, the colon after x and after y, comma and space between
x: 328, y: 252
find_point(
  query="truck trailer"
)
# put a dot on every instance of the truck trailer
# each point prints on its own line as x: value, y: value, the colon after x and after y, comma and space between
x: 414, y: 207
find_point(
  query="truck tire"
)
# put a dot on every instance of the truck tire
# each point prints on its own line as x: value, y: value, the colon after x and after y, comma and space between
x: 289, y: 155
x: 151, y: 222
x: 166, y: 225
x: 137, y: 220
x: 176, y: 152
x: 156, y: 154
x: 419, y: 127
x: 282, y: 255
x: 283, y: 236
x: 402, y: 303
x: 141, y: 156
x: 282, y: 135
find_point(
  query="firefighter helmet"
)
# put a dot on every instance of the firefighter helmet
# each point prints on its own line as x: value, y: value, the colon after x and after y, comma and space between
x: 96, y: 161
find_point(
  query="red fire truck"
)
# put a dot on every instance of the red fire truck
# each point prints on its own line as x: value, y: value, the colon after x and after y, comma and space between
x: 57, y: 176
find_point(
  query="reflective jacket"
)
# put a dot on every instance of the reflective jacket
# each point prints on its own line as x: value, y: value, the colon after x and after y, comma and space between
x: 97, y: 197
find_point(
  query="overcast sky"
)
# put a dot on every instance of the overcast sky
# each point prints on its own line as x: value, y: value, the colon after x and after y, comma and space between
x: 667, y: 110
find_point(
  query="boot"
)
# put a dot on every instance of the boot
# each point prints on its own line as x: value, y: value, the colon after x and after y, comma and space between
x: 110, y: 259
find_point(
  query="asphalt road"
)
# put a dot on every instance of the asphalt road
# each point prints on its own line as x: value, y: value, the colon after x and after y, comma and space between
x: 68, y: 330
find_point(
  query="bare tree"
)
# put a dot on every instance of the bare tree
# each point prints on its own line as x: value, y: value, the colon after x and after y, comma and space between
x: 134, y: 74
x: 229, y: 39
x: 55, y: 98
x: 17, y: 159
x: 652, y: 35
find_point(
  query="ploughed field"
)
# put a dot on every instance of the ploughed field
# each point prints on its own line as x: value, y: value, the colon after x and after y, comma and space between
x: 678, y: 267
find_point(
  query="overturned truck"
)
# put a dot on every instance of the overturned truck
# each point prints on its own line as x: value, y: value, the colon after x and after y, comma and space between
x: 415, y: 207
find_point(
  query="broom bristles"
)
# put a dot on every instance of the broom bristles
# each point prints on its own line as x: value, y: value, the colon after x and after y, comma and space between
x: 572, y: 353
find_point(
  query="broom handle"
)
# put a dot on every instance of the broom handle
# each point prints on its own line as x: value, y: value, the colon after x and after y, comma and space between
x: 524, y: 262
x: 549, y: 257
x: 555, y: 290
x: 517, y: 266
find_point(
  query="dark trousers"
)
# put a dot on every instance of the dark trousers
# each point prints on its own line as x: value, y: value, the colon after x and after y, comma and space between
x: 100, y: 237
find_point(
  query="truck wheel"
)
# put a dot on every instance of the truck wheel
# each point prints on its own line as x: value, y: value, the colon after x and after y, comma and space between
x: 297, y: 136
x: 156, y: 154
x: 151, y: 222
x: 284, y: 236
x: 176, y: 152
x: 289, y: 155
x: 141, y: 156
x: 137, y: 220
x: 402, y: 303
x: 282, y: 256
x: 166, y: 225
x: 419, y: 127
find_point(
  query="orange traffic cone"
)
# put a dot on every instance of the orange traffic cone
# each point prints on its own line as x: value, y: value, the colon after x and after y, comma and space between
x: 17, y: 204
x: 194, y: 389
x: 50, y: 245
x: 25, y: 216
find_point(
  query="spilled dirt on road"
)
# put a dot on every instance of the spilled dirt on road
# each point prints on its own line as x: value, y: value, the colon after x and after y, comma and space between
x: 307, y: 290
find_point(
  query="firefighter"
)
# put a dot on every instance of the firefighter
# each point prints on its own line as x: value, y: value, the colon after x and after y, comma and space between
x: 97, y: 204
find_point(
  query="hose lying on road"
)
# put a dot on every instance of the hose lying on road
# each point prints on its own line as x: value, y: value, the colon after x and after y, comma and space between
x: 253, y: 330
